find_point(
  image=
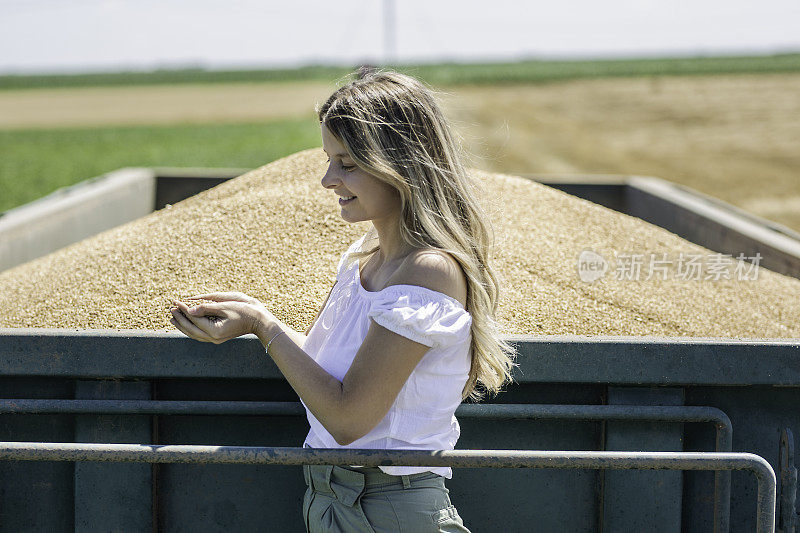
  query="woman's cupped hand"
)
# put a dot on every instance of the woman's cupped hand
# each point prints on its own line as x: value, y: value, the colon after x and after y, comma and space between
x: 230, y: 315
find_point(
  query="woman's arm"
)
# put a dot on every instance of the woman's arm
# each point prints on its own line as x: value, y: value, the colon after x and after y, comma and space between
x: 381, y: 367
x: 350, y: 408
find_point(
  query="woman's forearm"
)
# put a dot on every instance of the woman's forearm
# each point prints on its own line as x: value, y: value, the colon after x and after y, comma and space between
x: 298, y: 338
x: 321, y: 392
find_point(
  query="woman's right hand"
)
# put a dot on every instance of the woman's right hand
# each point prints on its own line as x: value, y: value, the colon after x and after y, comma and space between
x: 230, y: 315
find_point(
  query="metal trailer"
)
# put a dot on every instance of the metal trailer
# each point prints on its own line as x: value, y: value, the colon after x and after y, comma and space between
x: 572, y: 394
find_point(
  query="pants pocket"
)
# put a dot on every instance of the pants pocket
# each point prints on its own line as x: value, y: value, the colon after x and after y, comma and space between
x: 447, y: 520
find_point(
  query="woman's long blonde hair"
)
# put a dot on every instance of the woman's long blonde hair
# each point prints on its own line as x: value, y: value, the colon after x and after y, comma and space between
x: 392, y: 127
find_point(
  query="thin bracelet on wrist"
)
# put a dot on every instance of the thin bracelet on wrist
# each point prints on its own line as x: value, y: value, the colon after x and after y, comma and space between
x: 272, y: 339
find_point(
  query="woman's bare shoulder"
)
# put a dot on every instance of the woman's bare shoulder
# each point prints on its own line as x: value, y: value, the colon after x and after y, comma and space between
x: 433, y: 269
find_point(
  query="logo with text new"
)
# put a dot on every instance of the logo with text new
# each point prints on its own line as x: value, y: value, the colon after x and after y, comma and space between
x: 591, y: 266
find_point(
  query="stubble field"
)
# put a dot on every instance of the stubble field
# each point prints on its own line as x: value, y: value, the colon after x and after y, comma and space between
x: 733, y: 137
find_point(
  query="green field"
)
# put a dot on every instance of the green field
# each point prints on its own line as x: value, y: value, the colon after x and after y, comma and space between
x: 37, y: 162
x: 528, y: 71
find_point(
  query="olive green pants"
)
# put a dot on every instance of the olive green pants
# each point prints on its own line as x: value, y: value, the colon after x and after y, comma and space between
x: 356, y: 500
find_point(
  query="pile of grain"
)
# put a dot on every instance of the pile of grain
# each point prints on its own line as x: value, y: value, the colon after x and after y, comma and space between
x: 276, y: 234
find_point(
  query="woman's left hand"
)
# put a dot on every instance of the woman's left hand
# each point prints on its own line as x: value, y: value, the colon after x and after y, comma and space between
x: 231, y: 315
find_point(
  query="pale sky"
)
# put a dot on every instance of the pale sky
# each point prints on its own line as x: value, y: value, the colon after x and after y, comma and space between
x: 86, y: 35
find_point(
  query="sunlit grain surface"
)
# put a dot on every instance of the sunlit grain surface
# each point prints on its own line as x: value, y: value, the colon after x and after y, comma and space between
x: 277, y: 234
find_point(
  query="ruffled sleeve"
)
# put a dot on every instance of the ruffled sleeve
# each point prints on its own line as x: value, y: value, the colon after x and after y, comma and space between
x: 422, y: 315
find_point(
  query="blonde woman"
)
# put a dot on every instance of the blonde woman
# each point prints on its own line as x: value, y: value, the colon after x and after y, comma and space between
x: 407, y: 332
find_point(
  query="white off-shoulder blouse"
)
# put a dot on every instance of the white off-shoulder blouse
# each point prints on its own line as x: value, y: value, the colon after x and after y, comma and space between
x: 423, y: 415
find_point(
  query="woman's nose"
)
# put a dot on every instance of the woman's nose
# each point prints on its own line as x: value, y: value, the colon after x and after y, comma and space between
x: 329, y: 181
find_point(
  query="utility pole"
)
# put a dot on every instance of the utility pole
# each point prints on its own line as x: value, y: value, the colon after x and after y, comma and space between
x: 389, y: 35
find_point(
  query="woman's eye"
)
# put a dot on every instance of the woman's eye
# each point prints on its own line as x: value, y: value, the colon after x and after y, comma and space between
x: 345, y: 167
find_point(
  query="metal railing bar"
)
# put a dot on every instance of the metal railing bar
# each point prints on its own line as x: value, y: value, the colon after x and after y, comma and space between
x: 50, y: 451
x: 683, y: 413
x: 152, y: 407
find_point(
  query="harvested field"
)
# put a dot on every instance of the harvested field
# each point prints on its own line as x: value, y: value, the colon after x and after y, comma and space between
x: 734, y: 137
x: 125, y: 106
x: 276, y: 234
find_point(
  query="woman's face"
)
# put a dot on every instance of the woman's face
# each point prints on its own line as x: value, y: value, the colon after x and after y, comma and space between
x: 374, y: 199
